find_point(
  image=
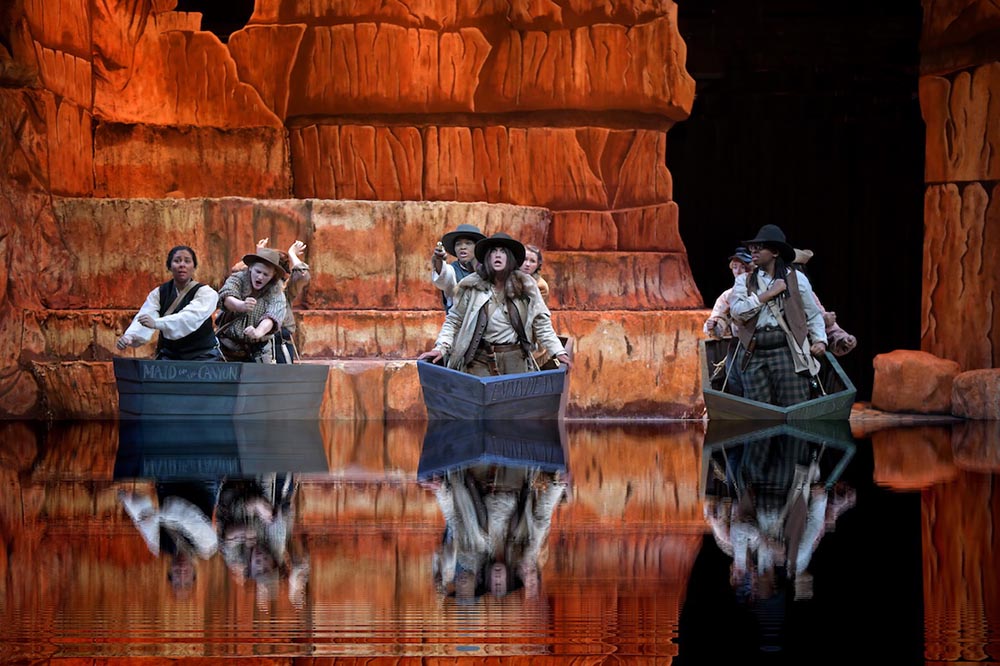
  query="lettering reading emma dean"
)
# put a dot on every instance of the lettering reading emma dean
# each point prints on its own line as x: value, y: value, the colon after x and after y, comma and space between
x: 506, y: 390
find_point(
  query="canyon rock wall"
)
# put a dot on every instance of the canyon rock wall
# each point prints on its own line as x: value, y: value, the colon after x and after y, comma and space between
x: 960, y: 102
x: 128, y: 129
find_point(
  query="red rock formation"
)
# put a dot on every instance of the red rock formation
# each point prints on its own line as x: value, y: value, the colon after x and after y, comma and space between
x: 960, y: 524
x: 913, y: 381
x: 143, y: 121
x: 959, y: 93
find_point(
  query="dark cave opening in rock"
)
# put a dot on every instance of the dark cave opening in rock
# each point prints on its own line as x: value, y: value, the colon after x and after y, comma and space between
x: 221, y: 18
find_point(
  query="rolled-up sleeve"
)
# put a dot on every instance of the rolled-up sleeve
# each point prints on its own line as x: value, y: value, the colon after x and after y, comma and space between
x: 140, y: 334
x: 232, y: 287
x: 743, y: 306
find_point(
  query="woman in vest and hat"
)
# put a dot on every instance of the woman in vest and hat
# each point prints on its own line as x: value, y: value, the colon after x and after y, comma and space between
x: 253, y: 305
x: 461, y: 244
x: 781, y: 330
x: 181, y: 310
x: 498, y: 316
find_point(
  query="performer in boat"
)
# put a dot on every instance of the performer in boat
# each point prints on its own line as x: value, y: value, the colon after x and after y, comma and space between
x: 299, y: 276
x: 838, y: 341
x: 720, y: 324
x: 461, y: 244
x: 181, y: 310
x: 498, y: 316
x: 780, y: 328
x: 253, y: 304
x: 533, y: 266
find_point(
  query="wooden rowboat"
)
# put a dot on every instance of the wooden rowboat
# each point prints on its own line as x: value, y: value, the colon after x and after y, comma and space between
x: 196, y: 389
x: 450, y: 394
x: 835, y: 404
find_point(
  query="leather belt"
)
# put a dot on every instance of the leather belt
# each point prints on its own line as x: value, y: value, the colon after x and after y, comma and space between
x: 494, y: 349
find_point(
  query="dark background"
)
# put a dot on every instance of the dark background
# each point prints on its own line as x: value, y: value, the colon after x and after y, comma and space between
x: 806, y: 116
x: 868, y: 592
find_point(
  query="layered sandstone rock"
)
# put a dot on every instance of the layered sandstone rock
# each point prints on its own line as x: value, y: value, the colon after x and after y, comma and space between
x: 958, y: 33
x: 959, y: 524
x: 961, y: 243
x: 959, y: 93
x: 142, y: 121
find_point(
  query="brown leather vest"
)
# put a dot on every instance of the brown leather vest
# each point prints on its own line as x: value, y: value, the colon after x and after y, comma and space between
x: 791, y: 306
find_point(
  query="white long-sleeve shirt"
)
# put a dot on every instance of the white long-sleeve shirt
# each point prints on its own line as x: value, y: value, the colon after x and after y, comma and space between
x: 743, y: 305
x: 177, y: 325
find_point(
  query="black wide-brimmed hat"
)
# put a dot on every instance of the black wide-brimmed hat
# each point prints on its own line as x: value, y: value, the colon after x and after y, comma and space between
x: 268, y: 256
x: 501, y: 240
x: 741, y: 254
x: 772, y: 235
x: 470, y: 231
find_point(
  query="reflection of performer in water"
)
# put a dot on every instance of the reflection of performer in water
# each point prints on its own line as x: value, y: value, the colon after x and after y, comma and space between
x: 768, y: 506
x: 254, y: 519
x: 179, y: 525
x: 497, y: 520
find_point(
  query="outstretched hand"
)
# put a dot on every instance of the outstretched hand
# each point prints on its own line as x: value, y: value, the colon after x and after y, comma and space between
x: 123, y: 342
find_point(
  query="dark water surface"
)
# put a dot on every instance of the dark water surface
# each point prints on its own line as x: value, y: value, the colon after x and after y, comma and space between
x: 637, y: 543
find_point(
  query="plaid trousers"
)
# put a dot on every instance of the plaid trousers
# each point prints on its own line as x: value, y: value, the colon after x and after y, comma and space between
x: 770, y: 376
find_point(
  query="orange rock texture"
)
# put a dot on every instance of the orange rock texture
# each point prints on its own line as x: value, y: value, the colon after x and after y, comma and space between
x: 960, y: 523
x: 960, y: 103
x: 128, y: 129
x: 622, y: 545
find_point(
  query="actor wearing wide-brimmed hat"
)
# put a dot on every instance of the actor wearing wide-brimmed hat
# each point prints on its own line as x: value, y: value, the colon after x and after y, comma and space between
x: 460, y: 243
x: 498, y: 317
x: 253, y: 305
x: 720, y: 323
x: 838, y: 341
x: 779, y: 326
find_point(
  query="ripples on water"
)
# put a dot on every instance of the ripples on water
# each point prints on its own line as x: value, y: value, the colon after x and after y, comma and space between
x: 629, y: 566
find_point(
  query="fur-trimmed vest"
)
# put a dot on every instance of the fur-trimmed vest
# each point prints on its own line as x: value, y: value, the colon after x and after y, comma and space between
x: 473, y: 294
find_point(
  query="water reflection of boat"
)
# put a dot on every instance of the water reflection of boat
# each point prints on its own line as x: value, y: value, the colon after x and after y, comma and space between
x: 839, y: 392
x: 831, y: 439
x: 453, y: 444
x: 450, y: 394
x: 191, y: 389
x: 219, y: 447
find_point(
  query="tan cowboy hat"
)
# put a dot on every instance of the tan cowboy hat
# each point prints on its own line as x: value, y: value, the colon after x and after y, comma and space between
x: 802, y: 256
x: 269, y: 256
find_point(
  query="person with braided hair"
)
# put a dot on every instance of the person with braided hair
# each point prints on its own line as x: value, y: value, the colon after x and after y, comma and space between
x: 780, y: 327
